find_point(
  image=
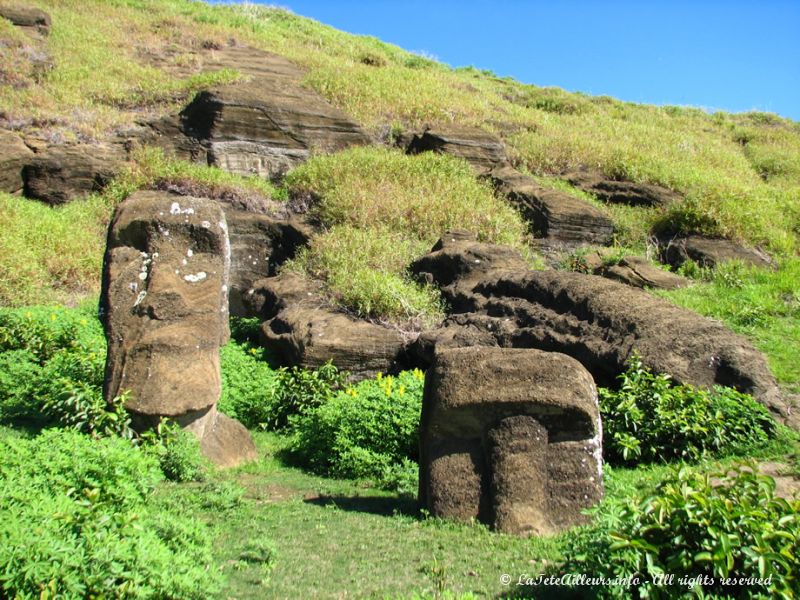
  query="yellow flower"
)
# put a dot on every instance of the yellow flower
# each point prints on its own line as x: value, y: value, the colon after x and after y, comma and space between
x: 402, y: 390
x: 52, y: 317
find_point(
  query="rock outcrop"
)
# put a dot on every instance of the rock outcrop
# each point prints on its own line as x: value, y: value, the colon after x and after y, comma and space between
x: 598, y: 322
x: 30, y: 18
x: 62, y: 173
x: 621, y: 192
x: 165, y: 313
x: 709, y: 252
x: 510, y: 437
x: 479, y: 148
x: 304, y: 330
x: 14, y: 155
x: 267, y: 123
x: 556, y: 217
x: 635, y: 271
x: 259, y: 244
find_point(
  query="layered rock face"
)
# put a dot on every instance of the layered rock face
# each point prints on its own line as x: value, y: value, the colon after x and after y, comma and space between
x: 555, y: 216
x: 63, y: 173
x: 304, y: 330
x: 268, y: 123
x: 165, y: 312
x: 510, y: 437
x: 709, y: 252
x: 480, y: 149
x: 596, y: 321
x: 621, y: 192
x: 33, y: 19
x: 14, y: 155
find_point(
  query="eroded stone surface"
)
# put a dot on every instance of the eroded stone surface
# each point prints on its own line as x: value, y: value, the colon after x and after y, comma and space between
x: 165, y: 312
x: 510, y: 437
x: 28, y: 17
x: 304, y: 330
x: 63, y: 173
x: 709, y: 252
x: 14, y: 154
x: 267, y: 123
x: 600, y: 323
x: 481, y: 149
x: 554, y: 216
x: 621, y: 192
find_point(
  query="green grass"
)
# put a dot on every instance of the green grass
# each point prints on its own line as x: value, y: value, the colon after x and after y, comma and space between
x: 54, y: 255
x: 333, y: 537
x: 739, y: 173
x: 381, y: 209
x: 763, y: 305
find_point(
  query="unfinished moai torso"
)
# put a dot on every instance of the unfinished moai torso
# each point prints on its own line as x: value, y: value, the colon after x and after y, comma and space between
x: 165, y: 312
x: 510, y: 437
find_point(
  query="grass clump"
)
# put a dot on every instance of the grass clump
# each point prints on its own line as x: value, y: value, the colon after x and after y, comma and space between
x: 650, y: 419
x: 382, y: 210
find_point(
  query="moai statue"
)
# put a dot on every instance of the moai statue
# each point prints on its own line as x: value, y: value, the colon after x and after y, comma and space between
x: 510, y: 437
x: 164, y: 307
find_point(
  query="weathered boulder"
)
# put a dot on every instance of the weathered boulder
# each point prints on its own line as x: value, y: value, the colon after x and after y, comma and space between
x: 25, y: 16
x: 555, y: 216
x: 510, y: 437
x: 14, y: 154
x: 165, y: 313
x: 621, y: 192
x: 306, y: 331
x: 601, y: 323
x: 709, y: 252
x: 481, y: 149
x: 64, y: 173
x: 459, y: 261
x: 267, y: 123
x: 635, y: 271
x: 259, y: 244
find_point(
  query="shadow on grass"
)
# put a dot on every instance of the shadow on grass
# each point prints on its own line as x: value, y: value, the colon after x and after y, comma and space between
x: 546, y: 592
x: 375, y: 505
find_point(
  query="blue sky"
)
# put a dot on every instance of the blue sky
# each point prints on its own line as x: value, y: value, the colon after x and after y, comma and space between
x: 730, y: 55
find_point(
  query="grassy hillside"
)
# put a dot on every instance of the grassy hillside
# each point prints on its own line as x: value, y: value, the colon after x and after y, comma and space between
x: 740, y: 173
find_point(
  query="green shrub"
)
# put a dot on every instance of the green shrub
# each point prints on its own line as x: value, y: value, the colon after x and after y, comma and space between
x: 177, y: 451
x: 364, y: 431
x: 260, y: 396
x: 75, y: 523
x: 719, y: 526
x: 648, y: 418
x: 248, y: 384
x: 651, y: 419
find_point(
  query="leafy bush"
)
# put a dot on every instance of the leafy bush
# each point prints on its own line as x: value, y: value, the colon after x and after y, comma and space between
x: 75, y: 523
x: 365, y: 431
x: 260, y: 396
x: 650, y: 419
x: 248, y: 384
x: 725, y: 525
x: 52, y: 363
x: 177, y: 452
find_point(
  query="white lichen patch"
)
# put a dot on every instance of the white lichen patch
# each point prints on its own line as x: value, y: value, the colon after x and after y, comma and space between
x: 194, y: 278
x: 205, y: 224
x: 189, y: 253
x: 176, y: 209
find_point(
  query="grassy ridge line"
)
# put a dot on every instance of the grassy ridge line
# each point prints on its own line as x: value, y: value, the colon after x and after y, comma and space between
x: 740, y: 173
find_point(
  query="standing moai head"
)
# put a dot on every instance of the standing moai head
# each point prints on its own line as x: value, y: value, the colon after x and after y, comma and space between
x: 510, y: 437
x: 165, y: 311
